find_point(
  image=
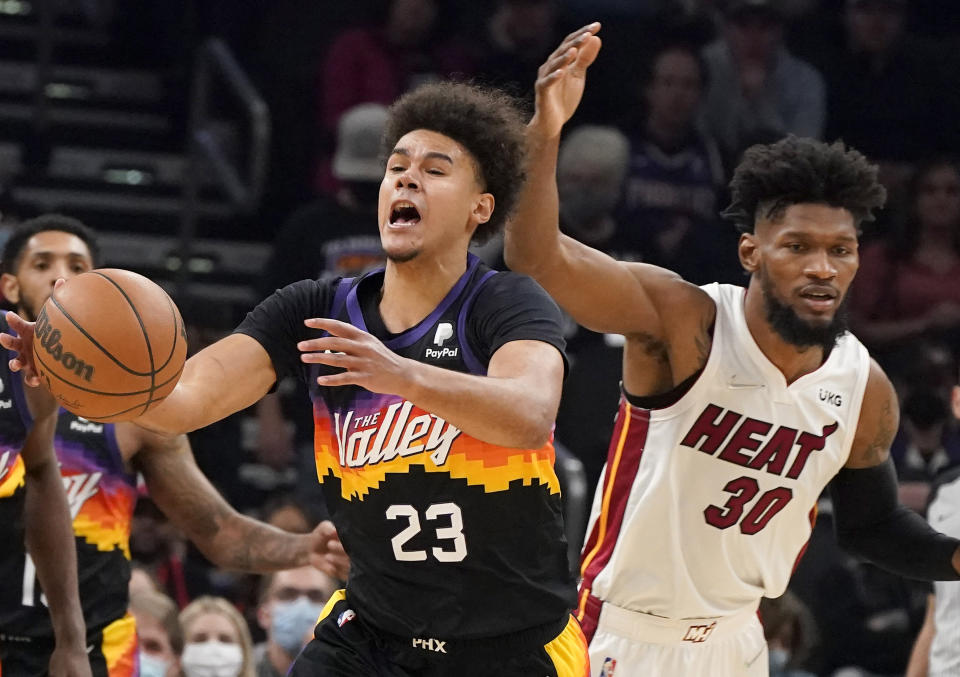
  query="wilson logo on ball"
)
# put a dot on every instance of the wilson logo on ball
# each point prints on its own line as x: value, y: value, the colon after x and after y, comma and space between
x: 49, y: 339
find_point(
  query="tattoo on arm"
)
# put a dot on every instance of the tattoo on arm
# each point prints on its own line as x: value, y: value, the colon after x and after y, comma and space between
x: 193, y: 504
x: 877, y: 451
x: 704, y: 340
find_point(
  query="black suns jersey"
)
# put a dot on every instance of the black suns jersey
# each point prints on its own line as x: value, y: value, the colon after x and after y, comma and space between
x: 15, y: 421
x: 448, y: 536
x: 101, y: 494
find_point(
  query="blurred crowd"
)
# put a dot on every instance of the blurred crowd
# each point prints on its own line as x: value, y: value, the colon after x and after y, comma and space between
x: 681, y: 88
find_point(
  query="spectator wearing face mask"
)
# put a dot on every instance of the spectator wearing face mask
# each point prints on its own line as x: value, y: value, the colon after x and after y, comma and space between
x: 159, y: 634
x: 216, y: 640
x: 290, y: 603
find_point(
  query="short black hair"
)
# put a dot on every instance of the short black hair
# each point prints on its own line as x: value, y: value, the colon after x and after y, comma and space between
x: 772, y: 177
x: 485, y: 121
x: 23, y: 231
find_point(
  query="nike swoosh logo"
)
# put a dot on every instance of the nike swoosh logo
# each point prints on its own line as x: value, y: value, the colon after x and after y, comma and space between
x: 91, y: 648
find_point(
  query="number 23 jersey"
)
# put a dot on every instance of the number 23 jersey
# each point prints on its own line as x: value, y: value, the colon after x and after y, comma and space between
x: 706, y: 505
x: 448, y: 536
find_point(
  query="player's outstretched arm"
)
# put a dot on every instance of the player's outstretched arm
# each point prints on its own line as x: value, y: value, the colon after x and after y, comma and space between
x: 227, y: 538
x: 869, y: 519
x: 220, y: 380
x: 573, y: 273
x: 514, y: 405
x: 49, y: 536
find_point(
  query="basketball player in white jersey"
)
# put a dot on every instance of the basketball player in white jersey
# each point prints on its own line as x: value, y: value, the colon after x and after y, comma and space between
x: 936, y: 652
x: 738, y: 407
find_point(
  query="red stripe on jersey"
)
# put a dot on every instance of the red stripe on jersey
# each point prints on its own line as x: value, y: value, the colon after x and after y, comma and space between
x: 623, y: 461
x: 813, y: 523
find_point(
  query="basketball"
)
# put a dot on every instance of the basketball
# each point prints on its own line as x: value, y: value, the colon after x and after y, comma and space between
x: 109, y: 344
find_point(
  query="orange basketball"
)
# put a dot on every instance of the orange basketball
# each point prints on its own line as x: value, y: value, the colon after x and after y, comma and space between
x: 109, y: 344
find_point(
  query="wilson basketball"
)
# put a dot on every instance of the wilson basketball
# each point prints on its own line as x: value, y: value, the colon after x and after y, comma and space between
x: 109, y: 344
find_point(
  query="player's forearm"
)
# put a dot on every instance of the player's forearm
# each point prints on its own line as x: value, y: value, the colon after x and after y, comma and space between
x: 502, y: 411
x: 50, y: 541
x: 244, y: 544
x: 220, y: 380
x: 532, y: 236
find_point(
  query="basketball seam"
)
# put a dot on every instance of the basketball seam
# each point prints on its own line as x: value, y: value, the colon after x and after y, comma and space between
x: 94, y: 341
x: 146, y: 337
x: 49, y: 372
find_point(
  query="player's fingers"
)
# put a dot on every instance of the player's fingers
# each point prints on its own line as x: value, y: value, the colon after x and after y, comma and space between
x: 334, y: 343
x: 332, y: 359
x: 346, y: 378
x: 10, y: 342
x: 587, y: 54
x: 574, y: 38
x: 560, y: 61
x: 545, y: 82
x: 335, y: 327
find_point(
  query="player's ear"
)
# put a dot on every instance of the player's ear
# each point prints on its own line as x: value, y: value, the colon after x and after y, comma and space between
x: 10, y: 286
x: 483, y: 208
x: 955, y: 401
x: 749, y: 252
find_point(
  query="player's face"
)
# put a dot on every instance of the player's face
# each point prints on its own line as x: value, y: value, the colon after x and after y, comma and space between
x: 430, y: 197
x: 805, y: 261
x: 47, y: 257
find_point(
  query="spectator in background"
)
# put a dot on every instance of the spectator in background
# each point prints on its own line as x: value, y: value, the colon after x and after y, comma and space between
x: 290, y: 604
x: 376, y: 64
x: 517, y: 38
x: 216, y: 640
x: 336, y: 236
x: 159, y: 634
x: 675, y: 173
x: 331, y: 237
x: 790, y: 633
x: 885, y: 90
x: 936, y: 652
x: 907, y: 288
x: 757, y: 90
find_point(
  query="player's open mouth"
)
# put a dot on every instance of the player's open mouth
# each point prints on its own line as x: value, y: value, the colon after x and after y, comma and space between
x: 819, y: 297
x: 404, y: 213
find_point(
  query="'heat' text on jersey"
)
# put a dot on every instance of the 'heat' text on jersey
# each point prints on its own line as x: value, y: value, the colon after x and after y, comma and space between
x: 714, y: 424
x: 388, y: 433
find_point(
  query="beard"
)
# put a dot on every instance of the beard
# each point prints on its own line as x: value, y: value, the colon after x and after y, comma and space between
x: 28, y: 308
x: 798, y: 332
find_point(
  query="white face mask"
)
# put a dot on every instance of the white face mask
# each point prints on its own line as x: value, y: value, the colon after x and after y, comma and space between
x: 211, y: 659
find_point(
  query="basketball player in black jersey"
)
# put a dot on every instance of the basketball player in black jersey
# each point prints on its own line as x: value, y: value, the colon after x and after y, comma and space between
x: 99, y: 463
x: 435, y: 382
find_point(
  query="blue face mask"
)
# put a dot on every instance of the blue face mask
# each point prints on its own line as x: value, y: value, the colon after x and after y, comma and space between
x: 291, y: 621
x: 152, y: 666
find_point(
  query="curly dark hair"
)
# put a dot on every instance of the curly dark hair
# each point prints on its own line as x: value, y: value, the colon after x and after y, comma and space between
x: 772, y: 177
x: 24, y: 230
x: 485, y: 121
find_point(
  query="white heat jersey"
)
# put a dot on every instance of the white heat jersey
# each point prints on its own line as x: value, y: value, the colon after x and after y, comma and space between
x: 944, y: 516
x: 706, y: 505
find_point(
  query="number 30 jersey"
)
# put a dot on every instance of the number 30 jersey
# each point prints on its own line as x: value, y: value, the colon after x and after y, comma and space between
x: 706, y: 505
x: 449, y: 536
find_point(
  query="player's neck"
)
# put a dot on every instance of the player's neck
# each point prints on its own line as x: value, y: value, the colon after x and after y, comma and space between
x: 412, y: 289
x: 792, y: 361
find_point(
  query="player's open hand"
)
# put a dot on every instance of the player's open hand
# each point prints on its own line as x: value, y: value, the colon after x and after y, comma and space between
x: 21, y: 342
x: 561, y: 79
x: 365, y: 360
x: 326, y: 552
